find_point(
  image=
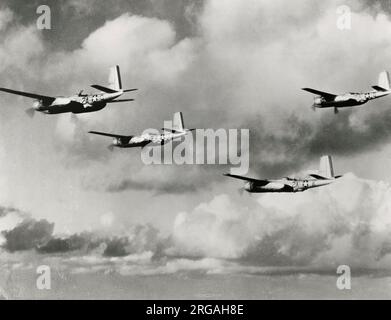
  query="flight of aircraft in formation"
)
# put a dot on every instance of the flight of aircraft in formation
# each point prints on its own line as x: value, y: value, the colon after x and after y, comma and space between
x: 83, y: 103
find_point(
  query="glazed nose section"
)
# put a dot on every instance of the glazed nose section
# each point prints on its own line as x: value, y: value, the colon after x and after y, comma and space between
x: 318, y: 100
x: 248, y: 186
x: 37, y: 104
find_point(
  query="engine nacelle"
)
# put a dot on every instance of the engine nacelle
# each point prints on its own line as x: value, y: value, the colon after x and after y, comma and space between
x: 37, y: 104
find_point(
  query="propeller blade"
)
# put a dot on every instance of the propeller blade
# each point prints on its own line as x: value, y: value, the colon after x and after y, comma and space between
x: 110, y: 147
x: 336, y: 110
x: 30, y: 112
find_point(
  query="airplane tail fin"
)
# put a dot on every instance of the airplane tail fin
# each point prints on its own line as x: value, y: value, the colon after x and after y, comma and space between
x: 384, y: 81
x: 115, y: 79
x: 326, y: 167
x: 177, y: 123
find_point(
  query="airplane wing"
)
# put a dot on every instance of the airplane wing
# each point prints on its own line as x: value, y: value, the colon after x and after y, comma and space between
x: 120, y: 100
x: 328, y: 96
x: 257, y: 181
x: 46, y: 99
x: 102, y: 88
x: 110, y: 135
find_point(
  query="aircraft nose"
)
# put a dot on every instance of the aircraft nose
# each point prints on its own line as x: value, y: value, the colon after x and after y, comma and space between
x: 37, y: 104
x: 248, y: 186
x: 116, y: 142
x: 317, y: 100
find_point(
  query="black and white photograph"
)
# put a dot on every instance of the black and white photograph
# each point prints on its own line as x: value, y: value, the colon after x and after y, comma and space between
x: 199, y: 150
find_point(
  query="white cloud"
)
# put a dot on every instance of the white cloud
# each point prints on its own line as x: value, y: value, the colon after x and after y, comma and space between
x: 20, y: 47
x: 347, y: 222
x: 6, y: 16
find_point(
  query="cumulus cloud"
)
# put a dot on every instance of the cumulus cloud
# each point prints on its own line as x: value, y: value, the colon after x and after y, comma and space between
x: 38, y: 235
x: 347, y: 222
x: 313, y: 231
x: 28, y: 235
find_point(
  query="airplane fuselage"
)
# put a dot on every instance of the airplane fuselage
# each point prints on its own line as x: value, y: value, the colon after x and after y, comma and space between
x: 77, y: 103
x: 286, y: 185
x: 144, y: 139
x: 348, y: 99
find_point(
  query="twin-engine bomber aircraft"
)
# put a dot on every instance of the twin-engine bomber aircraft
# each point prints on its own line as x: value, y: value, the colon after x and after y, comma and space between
x: 178, y: 130
x: 80, y: 103
x: 329, y: 100
x: 324, y: 177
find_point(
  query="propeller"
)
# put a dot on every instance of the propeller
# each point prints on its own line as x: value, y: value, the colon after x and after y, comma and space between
x: 30, y: 112
x: 336, y: 110
x: 313, y: 107
x: 110, y: 147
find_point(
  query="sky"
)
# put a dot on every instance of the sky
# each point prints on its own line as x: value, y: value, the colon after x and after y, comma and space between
x: 68, y: 202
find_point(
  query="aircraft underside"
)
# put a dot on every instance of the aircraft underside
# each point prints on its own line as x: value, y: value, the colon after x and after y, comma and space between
x: 260, y: 189
x: 73, y: 107
x: 340, y: 104
x: 133, y: 145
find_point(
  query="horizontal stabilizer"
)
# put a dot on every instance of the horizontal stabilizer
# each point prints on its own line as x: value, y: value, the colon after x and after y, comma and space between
x: 128, y: 90
x: 102, y: 88
x: 121, y: 100
x: 377, y: 88
x: 172, y: 130
x: 326, y: 95
x: 110, y: 135
x: 318, y: 177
